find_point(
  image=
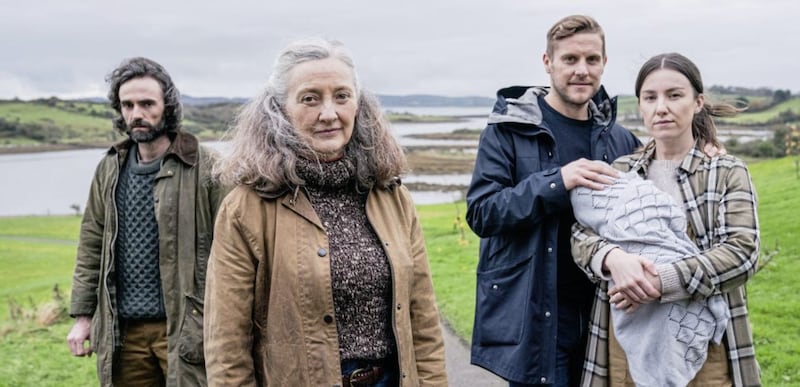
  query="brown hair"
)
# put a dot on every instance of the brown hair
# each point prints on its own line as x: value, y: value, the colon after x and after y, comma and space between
x: 703, y: 128
x: 572, y: 25
x: 141, y: 68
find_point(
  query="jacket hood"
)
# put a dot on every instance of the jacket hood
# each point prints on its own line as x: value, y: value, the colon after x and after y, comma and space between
x: 520, y: 104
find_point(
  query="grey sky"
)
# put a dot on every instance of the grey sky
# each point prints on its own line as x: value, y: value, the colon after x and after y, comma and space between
x: 449, y: 47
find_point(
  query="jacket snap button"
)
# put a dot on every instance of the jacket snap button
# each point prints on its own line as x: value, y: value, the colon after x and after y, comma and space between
x: 322, y: 252
x: 544, y: 380
x: 550, y: 154
x: 552, y: 185
x: 549, y: 249
x: 546, y: 314
x: 494, y: 286
x: 328, y: 319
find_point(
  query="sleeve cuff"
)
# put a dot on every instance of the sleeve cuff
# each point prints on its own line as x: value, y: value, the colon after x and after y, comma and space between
x: 671, y: 287
x: 597, y: 261
x: 81, y: 309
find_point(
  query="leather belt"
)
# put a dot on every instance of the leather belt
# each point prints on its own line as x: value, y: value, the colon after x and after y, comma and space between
x: 363, y: 377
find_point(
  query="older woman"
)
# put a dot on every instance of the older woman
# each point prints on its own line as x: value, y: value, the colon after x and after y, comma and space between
x: 717, y: 197
x: 318, y: 272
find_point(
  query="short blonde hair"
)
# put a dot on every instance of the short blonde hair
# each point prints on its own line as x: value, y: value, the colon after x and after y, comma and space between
x: 572, y: 25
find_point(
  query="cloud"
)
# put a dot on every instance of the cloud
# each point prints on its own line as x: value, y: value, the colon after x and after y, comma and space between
x: 469, y: 47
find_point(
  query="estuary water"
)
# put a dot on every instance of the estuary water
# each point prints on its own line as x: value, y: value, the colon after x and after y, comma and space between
x: 54, y: 183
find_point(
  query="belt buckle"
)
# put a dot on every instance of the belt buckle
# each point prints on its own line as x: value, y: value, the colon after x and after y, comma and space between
x: 354, y: 374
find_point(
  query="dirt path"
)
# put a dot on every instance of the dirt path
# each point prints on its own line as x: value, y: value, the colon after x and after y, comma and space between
x: 459, y: 372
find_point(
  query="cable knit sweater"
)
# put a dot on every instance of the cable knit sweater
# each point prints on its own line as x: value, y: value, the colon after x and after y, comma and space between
x: 665, y: 343
x: 139, y: 291
x: 360, y: 272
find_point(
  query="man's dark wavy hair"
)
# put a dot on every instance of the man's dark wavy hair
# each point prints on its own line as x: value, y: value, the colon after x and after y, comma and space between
x: 138, y: 68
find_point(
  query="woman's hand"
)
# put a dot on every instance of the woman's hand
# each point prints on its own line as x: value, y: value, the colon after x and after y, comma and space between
x: 636, y: 280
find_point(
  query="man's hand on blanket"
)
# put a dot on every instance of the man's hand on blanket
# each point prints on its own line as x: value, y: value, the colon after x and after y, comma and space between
x: 635, y: 278
x: 588, y: 173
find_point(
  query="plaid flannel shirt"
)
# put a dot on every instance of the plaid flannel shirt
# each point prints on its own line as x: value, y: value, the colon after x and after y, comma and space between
x: 720, y: 201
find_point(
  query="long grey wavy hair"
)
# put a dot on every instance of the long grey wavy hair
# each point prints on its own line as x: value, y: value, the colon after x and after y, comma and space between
x: 265, y: 147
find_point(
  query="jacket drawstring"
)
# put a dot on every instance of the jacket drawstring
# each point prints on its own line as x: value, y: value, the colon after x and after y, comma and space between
x: 293, y: 200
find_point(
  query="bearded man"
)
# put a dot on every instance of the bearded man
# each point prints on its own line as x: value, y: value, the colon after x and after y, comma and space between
x: 139, y: 279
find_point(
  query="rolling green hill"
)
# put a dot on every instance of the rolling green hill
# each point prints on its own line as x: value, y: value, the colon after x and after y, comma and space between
x: 770, y: 115
x: 56, y: 122
x: 52, y: 121
x: 627, y: 106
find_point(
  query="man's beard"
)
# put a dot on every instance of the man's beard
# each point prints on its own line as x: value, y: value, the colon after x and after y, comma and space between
x: 568, y: 99
x: 153, y: 131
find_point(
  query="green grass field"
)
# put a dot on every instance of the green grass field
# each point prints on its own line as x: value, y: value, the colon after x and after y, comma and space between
x: 773, y: 293
x: 38, y: 252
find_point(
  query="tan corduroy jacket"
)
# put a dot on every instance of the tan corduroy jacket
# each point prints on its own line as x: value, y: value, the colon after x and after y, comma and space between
x: 269, y: 315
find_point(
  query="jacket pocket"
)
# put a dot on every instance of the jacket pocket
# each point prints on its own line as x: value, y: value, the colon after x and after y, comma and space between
x: 190, y: 342
x: 502, y: 299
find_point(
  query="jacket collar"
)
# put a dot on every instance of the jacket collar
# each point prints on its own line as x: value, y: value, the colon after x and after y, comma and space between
x: 690, y: 163
x: 694, y: 159
x: 183, y: 146
x: 300, y: 203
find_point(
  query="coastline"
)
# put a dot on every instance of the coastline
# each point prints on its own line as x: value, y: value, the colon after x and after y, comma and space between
x: 436, y: 173
x: 40, y: 148
x: 422, y: 160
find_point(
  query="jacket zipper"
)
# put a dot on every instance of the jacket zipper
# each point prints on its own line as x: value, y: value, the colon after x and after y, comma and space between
x: 114, y: 323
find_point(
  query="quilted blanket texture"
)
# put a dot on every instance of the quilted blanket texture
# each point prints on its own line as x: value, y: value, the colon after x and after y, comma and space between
x: 665, y: 344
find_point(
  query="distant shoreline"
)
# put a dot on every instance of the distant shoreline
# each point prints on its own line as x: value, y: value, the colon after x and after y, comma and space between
x: 40, y: 148
x: 422, y: 159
